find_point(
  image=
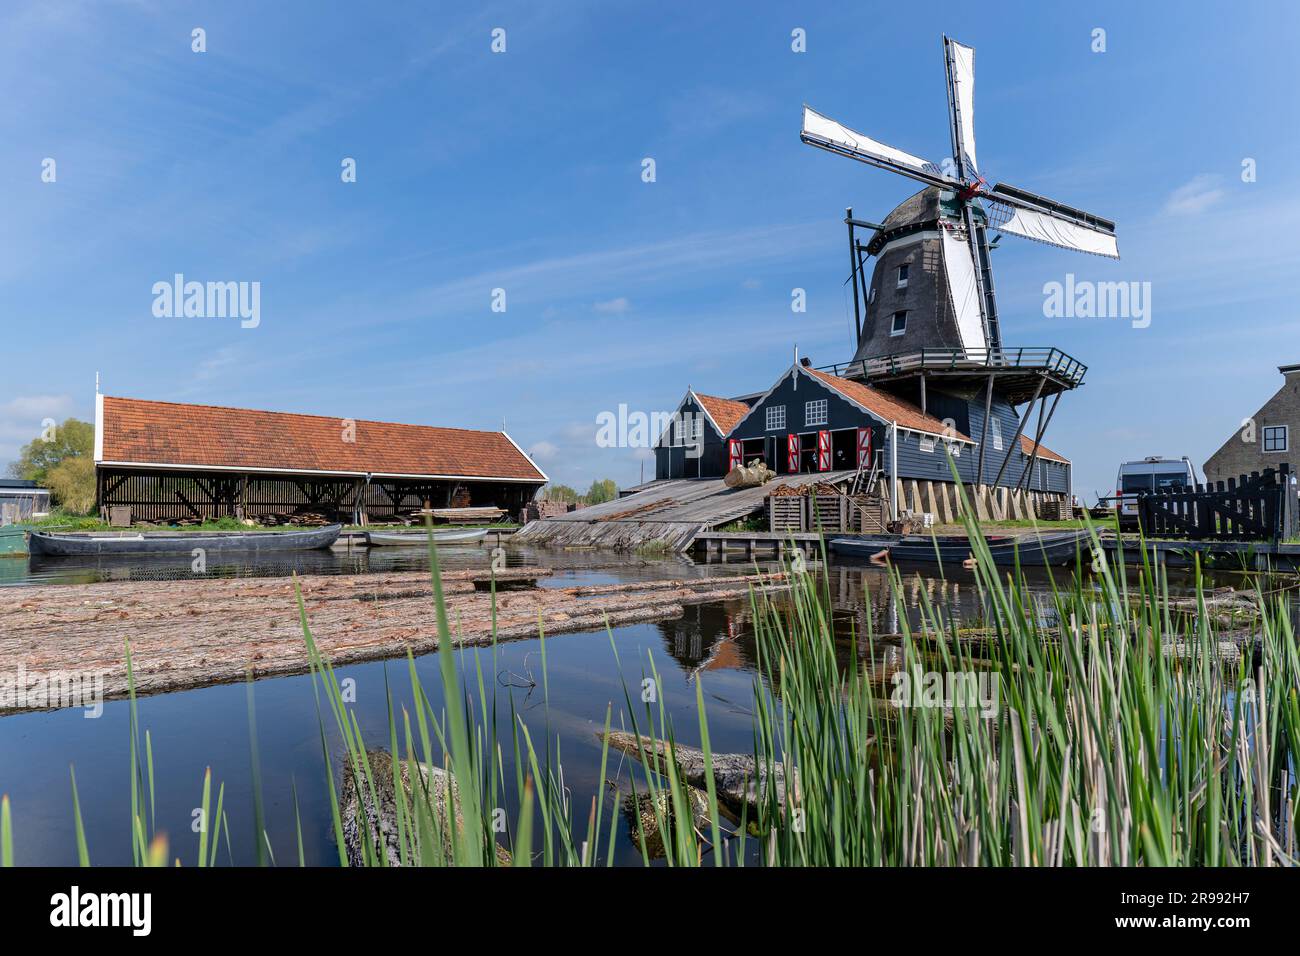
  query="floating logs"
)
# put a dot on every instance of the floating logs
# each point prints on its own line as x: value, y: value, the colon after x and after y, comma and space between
x: 196, y: 631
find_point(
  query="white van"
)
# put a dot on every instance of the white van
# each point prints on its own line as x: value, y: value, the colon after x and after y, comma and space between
x: 1148, y: 475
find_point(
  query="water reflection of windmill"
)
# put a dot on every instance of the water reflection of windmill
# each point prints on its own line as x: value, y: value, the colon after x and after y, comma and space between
x: 927, y: 322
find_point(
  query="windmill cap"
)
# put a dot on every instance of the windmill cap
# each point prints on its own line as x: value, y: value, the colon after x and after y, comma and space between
x: 1289, y: 369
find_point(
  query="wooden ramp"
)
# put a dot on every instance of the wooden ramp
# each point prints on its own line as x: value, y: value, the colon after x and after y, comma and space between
x: 670, y: 513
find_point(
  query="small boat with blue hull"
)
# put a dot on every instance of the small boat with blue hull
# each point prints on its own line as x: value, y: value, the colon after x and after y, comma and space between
x: 1057, y: 549
x: 166, y: 542
x: 387, y: 538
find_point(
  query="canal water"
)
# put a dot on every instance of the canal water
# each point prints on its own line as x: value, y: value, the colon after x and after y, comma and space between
x: 586, y: 674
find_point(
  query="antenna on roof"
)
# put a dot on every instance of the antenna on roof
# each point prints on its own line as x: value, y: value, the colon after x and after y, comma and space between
x: 96, y: 381
x: 796, y: 366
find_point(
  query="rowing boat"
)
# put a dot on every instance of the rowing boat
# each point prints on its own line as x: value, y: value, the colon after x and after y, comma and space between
x: 385, y: 538
x: 1038, y: 550
x: 66, y: 545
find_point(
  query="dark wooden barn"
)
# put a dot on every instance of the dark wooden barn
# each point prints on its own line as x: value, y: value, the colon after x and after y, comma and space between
x: 169, y: 461
x: 694, y: 443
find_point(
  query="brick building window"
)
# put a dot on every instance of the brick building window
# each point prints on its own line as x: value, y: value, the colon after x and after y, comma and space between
x: 1275, y: 438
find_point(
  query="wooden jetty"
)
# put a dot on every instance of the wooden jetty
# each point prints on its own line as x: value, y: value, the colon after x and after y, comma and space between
x: 1218, y: 555
x: 671, y: 513
x: 718, y: 545
x: 196, y: 632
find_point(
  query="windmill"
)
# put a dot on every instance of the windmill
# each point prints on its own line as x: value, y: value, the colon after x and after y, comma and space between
x: 961, y: 341
x: 1005, y: 208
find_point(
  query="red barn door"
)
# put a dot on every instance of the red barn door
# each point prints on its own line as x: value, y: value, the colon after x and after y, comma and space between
x: 734, y: 456
x: 864, y: 447
x: 823, y: 451
x: 792, y: 454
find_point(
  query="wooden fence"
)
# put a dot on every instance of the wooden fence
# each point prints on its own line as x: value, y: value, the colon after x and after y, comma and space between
x: 1254, y: 507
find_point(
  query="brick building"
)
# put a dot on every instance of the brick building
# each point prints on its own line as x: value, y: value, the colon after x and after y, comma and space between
x: 1264, y: 439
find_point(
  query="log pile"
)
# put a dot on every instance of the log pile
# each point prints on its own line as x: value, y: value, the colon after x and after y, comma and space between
x: 195, y: 632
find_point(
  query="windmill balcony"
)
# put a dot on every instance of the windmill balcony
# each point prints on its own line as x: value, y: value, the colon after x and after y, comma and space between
x: 1018, y: 371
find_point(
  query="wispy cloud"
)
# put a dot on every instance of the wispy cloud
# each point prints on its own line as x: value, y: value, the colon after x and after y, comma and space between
x: 613, y: 306
x: 1195, y: 196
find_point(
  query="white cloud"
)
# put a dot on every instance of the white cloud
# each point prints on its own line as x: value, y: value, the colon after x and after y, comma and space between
x: 544, y: 451
x: 613, y: 306
x: 1195, y: 196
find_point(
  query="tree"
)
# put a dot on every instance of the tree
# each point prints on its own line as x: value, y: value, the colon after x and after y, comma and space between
x: 72, y: 484
x: 560, y: 493
x: 601, y: 491
x: 72, y: 439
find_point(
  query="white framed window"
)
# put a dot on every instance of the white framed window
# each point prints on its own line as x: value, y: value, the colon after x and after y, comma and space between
x: 775, y: 417
x: 814, y: 413
x: 927, y: 444
x: 902, y: 276
x: 900, y: 324
x: 1275, y: 438
x: 954, y: 449
x: 695, y: 429
x: 995, y: 429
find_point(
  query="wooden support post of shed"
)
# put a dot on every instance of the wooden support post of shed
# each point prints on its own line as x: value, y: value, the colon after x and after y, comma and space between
x: 984, y: 432
x: 1042, y: 430
x: 1020, y: 429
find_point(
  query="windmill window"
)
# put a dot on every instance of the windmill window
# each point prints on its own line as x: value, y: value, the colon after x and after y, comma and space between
x: 995, y: 427
x: 814, y: 413
x: 1275, y: 438
x: 927, y: 444
x: 902, y: 276
x: 954, y: 449
x: 900, y: 324
x: 775, y: 417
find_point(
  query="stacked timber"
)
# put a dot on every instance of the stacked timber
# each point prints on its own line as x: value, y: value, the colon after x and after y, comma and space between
x: 199, y: 631
x: 1055, y: 509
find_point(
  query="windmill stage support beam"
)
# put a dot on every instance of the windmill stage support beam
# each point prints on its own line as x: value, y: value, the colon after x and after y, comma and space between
x: 984, y: 432
x: 1020, y: 429
x: 1042, y: 430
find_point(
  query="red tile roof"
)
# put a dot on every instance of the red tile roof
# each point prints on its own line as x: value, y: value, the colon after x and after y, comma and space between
x: 208, y: 436
x: 1027, y: 448
x: 724, y: 412
x: 886, y: 406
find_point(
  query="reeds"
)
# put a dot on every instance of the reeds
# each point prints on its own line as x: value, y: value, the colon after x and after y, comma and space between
x: 1098, y: 745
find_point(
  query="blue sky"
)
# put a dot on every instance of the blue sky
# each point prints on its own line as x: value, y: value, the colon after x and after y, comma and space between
x: 522, y: 171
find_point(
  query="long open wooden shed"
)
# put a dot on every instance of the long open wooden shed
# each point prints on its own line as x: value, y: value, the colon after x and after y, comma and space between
x: 167, y: 461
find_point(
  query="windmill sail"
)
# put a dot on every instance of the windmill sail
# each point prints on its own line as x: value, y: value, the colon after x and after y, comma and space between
x: 961, y: 81
x: 963, y: 290
x: 819, y: 130
x: 1055, y: 231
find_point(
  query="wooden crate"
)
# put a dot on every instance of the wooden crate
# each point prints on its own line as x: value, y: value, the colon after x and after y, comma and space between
x: 786, y: 513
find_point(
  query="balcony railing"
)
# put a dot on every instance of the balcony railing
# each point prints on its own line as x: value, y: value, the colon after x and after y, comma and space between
x: 1029, y: 359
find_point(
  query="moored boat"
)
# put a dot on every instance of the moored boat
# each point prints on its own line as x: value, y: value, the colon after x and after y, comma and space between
x: 1034, y: 550
x: 166, y: 542
x: 387, y: 538
x: 13, y: 540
